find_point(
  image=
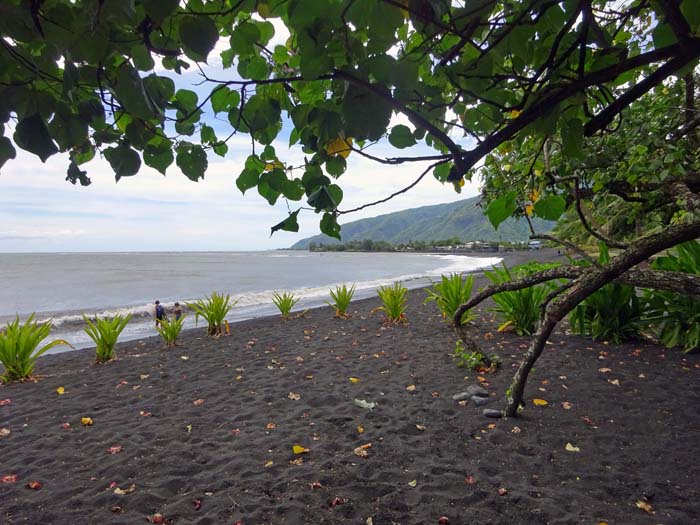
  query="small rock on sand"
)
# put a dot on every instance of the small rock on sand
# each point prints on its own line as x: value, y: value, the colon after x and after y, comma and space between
x: 476, y: 390
x: 493, y: 413
x: 479, y: 401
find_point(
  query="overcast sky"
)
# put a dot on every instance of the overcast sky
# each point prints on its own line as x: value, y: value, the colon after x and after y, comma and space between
x: 41, y: 211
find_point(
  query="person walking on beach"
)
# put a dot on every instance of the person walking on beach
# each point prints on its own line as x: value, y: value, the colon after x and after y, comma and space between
x: 159, y: 313
x: 177, y: 311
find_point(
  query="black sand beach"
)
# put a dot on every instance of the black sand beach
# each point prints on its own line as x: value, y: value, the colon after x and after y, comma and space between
x: 204, y: 433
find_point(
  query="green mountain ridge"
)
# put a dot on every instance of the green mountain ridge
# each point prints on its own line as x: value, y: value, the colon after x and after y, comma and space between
x: 462, y: 219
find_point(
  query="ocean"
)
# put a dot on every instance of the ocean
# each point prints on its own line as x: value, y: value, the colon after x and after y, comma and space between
x: 63, y: 286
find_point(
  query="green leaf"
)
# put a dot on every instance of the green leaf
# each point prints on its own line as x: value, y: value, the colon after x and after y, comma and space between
x: 158, y: 157
x: 501, y: 208
x: 159, y: 10
x: 289, y: 224
x: 124, y: 160
x: 224, y: 99
x: 247, y: 179
x: 207, y: 134
x: 550, y: 207
x: 572, y: 138
x: 32, y: 135
x: 442, y: 171
x: 7, y: 151
x: 336, y: 165
x: 322, y: 199
x: 75, y: 174
x: 192, y: 160
x: 199, y: 35
x: 401, y: 137
x: 691, y: 12
x: 330, y: 226
x: 131, y: 93
x: 142, y: 58
x: 366, y: 113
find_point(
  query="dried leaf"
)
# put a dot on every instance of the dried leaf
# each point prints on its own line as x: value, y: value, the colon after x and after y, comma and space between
x: 364, y: 404
x: 469, y: 480
x: 298, y: 449
x: 268, y: 463
x: 86, y: 421
x: 413, y: 483
x: 297, y: 461
x: 143, y: 376
x: 540, y: 402
x: 316, y: 485
x: 35, y: 485
x: 60, y: 390
x: 271, y: 426
x: 184, y: 357
x: 516, y: 430
x: 188, y: 428
x: 360, y: 429
x: 116, y: 449
x: 420, y: 427
x: 361, y: 451
x: 197, y: 504
x: 443, y: 520
x: 566, y: 405
x: 143, y: 413
x: 198, y: 402
x: 354, y: 379
x: 122, y: 492
x: 604, y: 370
x: 615, y: 382
x: 158, y: 519
x: 294, y: 396
x: 337, y: 501
x: 502, y: 491
x: 645, y: 506
x: 411, y: 388
x: 4, y: 402
x: 4, y: 432
x: 236, y: 431
x: 309, y: 377
x: 117, y: 509
x: 569, y: 447
x: 9, y: 478
x: 65, y: 426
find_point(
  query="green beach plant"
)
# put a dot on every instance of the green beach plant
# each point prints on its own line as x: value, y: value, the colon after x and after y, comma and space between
x: 342, y: 295
x: 519, y: 308
x: 19, y: 350
x: 394, y: 299
x: 105, y: 332
x: 285, y: 301
x: 169, y: 330
x: 474, y: 360
x: 213, y: 308
x: 450, y: 293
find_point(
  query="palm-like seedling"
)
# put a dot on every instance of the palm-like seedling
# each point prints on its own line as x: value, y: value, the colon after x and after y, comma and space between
x: 450, y: 293
x: 19, y: 347
x: 285, y: 301
x: 394, y: 299
x: 169, y: 330
x: 213, y: 309
x: 342, y: 295
x: 105, y: 332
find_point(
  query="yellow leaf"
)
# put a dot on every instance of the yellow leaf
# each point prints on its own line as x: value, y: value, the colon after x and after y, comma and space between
x: 340, y: 146
x: 535, y: 195
x: 411, y: 388
x: 569, y: 447
x: 269, y: 463
x: 528, y: 209
x: 645, y: 506
x: 272, y: 165
x: 60, y: 390
x: 413, y: 483
x: 514, y: 114
x: 264, y: 9
x: 540, y: 402
x: 87, y: 421
x: 360, y: 429
x: 354, y: 379
x: 298, y: 449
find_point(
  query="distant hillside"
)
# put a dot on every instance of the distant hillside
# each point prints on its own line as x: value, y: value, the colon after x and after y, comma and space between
x: 462, y: 219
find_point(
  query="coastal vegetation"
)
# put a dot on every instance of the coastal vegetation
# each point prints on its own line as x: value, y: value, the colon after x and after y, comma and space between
x: 19, y: 347
x: 213, y: 309
x: 104, y: 333
x: 284, y: 302
x: 449, y: 293
x: 394, y: 299
x: 341, y: 296
x: 169, y: 330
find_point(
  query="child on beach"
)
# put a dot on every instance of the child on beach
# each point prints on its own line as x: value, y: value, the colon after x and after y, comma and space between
x: 177, y: 311
x: 159, y: 313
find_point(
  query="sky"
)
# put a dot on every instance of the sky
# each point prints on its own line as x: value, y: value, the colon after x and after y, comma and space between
x: 41, y: 212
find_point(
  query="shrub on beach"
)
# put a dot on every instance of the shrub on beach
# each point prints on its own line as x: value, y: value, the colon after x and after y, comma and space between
x: 19, y: 347
x: 474, y: 360
x: 213, y: 309
x: 518, y: 308
x: 105, y: 332
x: 285, y: 301
x: 450, y: 293
x: 169, y: 330
x: 342, y: 295
x: 394, y: 299
x: 676, y: 317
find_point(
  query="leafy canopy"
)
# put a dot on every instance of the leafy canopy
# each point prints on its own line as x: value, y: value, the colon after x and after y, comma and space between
x: 103, y: 77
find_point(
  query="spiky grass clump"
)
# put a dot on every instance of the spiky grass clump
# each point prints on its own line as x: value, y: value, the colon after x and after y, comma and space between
x: 285, y: 301
x: 214, y: 309
x: 450, y: 293
x: 394, y: 299
x: 169, y: 330
x: 342, y: 295
x: 105, y: 332
x: 19, y: 347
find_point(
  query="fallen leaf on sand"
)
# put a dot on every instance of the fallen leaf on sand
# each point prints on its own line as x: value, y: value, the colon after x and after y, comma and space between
x: 9, y: 478
x: 469, y: 480
x: 360, y: 429
x: 615, y: 382
x: 645, y: 506
x: 143, y: 413
x: 411, y: 388
x: 60, y: 390
x: 117, y: 509
x: 413, y: 483
x: 604, y: 370
x: 298, y: 449
x: 158, y: 518
x: 35, y: 485
x: 197, y: 504
x: 502, y: 491
x: 65, y: 426
x: 188, y: 428
x: 271, y: 426
x: 566, y: 405
x: 361, y: 451
x: 443, y: 520
x: 184, y: 357
x: 316, y: 485
x: 122, y: 492
x: 4, y: 432
x: 268, y: 463
x: 354, y: 379
x: 570, y: 448
x: 420, y: 427
x: 143, y: 376
x: 198, y: 402
x: 309, y: 377
x: 516, y: 430
x: 112, y: 485
x: 337, y: 501
x: 236, y: 431
x: 480, y: 379
x: 294, y: 396
x: 297, y: 461
x: 540, y: 402
x: 364, y: 404
x: 86, y: 421
x: 435, y: 394
x: 116, y: 449
x: 4, y: 402
x: 491, y: 426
